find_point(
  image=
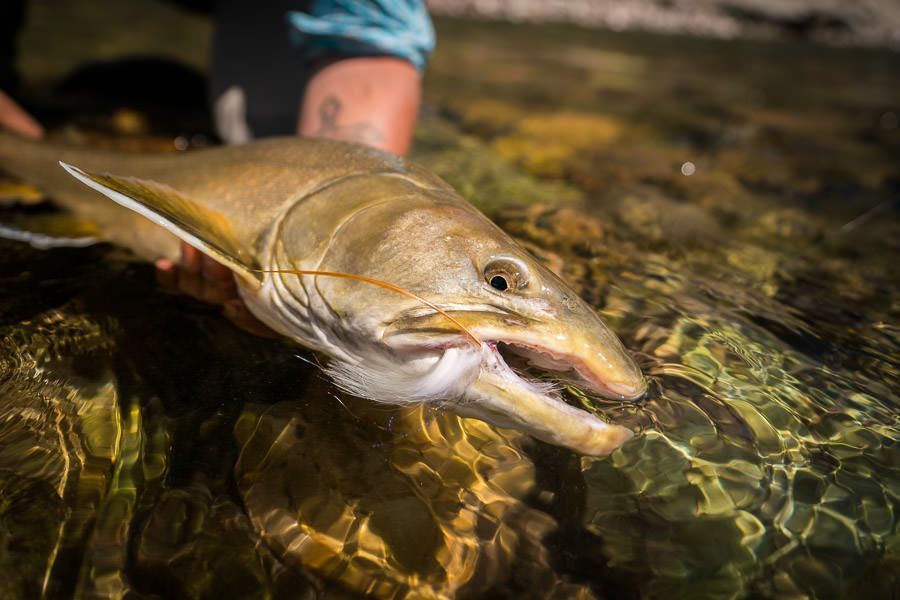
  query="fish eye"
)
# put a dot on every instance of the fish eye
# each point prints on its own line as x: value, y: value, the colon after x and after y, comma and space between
x: 506, y: 273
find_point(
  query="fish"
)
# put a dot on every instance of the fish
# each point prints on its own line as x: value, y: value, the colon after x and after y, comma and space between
x: 320, y: 236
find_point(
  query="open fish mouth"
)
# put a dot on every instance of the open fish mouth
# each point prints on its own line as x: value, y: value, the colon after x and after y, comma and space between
x: 555, y: 370
x: 501, y: 395
x: 519, y: 381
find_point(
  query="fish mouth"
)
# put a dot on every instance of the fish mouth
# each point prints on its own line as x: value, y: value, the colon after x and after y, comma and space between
x: 520, y: 378
x: 567, y: 369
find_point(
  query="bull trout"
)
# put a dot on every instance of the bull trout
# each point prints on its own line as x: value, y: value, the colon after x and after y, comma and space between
x: 269, y: 209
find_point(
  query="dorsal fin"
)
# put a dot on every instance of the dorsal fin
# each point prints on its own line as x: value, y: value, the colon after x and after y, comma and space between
x: 205, y: 229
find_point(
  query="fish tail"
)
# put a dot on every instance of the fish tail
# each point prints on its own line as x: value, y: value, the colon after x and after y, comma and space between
x: 37, y: 163
x: 23, y: 158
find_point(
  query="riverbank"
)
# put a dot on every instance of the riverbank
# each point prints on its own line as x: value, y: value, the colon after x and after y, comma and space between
x: 874, y: 23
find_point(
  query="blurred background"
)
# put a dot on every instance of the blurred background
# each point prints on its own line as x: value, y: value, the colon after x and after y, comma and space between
x: 866, y: 23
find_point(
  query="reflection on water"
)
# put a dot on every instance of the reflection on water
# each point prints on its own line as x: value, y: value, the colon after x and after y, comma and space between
x: 724, y: 226
x: 768, y: 460
x: 393, y: 502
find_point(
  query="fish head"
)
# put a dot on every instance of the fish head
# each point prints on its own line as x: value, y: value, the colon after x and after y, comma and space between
x: 482, y: 303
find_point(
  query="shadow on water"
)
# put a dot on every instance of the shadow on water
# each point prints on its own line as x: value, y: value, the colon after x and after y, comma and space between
x: 699, y: 194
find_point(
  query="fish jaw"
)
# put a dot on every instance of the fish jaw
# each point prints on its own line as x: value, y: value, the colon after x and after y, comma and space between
x: 585, y: 346
x: 590, y: 351
x: 502, y: 397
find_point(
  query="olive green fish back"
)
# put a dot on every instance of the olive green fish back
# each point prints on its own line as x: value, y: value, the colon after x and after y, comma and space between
x: 244, y: 188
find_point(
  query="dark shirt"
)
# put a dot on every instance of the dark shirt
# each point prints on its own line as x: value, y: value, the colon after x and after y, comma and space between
x: 12, y: 15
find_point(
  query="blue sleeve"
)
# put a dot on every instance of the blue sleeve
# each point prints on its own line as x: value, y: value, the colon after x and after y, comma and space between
x: 398, y: 28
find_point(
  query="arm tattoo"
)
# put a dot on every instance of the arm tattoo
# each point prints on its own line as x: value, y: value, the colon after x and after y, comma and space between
x: 362, y: 132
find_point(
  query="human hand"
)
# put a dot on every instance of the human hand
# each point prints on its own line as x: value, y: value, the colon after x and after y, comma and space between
x: 14, y: 118
x: 202, y: 278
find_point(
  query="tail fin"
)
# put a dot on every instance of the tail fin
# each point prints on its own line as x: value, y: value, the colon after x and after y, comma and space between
x: 33, y: 162
x: 38, y: 164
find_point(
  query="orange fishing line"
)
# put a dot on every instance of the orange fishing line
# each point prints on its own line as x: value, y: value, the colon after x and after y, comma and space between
x: 384, y: 284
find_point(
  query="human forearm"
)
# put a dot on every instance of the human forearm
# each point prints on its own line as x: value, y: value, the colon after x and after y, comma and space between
x: 372, y: 100
x: 15, y: 119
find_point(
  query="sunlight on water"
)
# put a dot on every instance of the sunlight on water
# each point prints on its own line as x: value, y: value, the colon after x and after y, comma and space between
x: 761, y: 469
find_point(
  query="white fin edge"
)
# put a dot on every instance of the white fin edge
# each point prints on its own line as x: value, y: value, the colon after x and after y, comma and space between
x: 42, y: 241
x: 131, y: 204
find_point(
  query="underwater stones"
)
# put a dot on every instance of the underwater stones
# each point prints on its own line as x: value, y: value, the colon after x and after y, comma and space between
x: 477, y: 173
x: 64, y: 424
x: 742, y: 466
x: 195, y: 544
x: 545, y: 144
x: 716, y: 191
x: 573, y: 244
x: 658, y: 218
x: 554, y: 227
x: 488, y: 117
x: 660, y: 530
x: 788, y: 224
x: 416, y: 502
x: 31, y: 516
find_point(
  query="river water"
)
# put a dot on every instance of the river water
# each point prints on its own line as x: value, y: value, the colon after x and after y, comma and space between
x: 730, y: 208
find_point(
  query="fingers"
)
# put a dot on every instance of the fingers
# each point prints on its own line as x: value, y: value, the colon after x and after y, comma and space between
x: 236, y: 312
x: 193, y: 278
x: 195, y: 262
x: 16, y: 120
x: 213, y: 271
x: 166, y: 274
x: 191, y: 259
x: 200, y: 277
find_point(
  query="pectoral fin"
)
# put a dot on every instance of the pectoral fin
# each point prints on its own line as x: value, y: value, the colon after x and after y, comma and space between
x: 205, y: 229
